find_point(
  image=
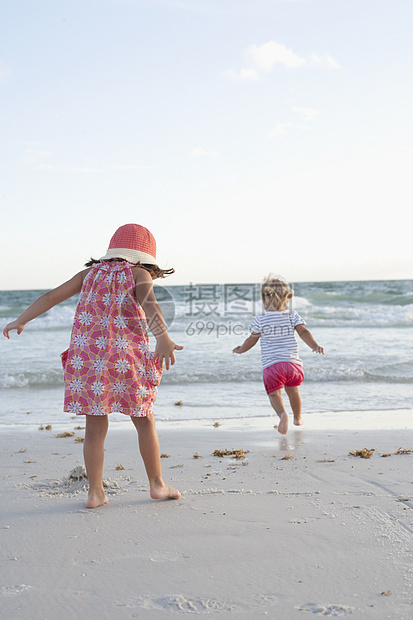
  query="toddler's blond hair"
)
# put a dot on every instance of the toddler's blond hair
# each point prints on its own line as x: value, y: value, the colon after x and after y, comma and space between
x: 276, y: 293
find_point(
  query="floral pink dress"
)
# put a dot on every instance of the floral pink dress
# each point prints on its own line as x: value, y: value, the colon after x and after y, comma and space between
x: 109, y: 366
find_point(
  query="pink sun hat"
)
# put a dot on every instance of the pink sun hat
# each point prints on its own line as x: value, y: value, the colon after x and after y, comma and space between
x: 133, y: 243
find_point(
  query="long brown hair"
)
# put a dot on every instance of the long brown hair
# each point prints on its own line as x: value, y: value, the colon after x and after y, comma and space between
x: 154, y: 270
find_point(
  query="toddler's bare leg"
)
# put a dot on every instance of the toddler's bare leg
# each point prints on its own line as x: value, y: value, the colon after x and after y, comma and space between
x: 278, y: 406
x: 149, y: 448
x: 93, y: 453
x: 294, y: 396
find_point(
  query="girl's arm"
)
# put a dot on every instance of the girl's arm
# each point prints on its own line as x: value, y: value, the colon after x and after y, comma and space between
x: 247, y: 344
x: 47, y: 301
x: 307, y: 336
x: 145, y: 296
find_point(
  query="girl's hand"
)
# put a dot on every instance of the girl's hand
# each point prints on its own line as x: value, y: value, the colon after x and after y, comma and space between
x: 13, y: 325
x: 165, y: 351
x: 237, y: 350
x: 318, y: 349
x: 47, y: 301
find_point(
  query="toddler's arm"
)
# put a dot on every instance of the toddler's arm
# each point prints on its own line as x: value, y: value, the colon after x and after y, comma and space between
x: 247, y: 344
x: 165, y: 347
x: 47, y: 301
x: 307, y: 337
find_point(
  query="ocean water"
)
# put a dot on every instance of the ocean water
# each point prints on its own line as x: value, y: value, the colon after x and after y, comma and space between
x: 364, y: 327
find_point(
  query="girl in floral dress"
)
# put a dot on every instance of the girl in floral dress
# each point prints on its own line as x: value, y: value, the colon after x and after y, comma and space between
x: 109, y: 366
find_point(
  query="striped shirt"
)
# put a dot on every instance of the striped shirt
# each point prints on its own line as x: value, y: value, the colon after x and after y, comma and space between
x: 278, y: 342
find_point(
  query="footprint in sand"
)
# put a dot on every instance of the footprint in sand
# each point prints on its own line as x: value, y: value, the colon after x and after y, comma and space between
x: 14, y: 590
x: 180, y: 604
x: 74, y: 483
x: 327, y: 610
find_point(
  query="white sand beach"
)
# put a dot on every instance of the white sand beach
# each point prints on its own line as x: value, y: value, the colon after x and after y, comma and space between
x: 297, y: 528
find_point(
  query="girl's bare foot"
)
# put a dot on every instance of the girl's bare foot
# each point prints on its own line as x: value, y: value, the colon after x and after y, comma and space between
x: 298, y: 421
x: 283, y: 425
x: 96, y: 499
x: 164, y: 491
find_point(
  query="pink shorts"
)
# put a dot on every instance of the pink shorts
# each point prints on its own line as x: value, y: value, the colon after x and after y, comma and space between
x: 282, y: 374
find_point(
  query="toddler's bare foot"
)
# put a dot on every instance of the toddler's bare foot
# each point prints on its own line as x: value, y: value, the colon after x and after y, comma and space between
x: 164, y: 491
x: 283, y: 425
x: 298, y: 421
x: 96, y: 499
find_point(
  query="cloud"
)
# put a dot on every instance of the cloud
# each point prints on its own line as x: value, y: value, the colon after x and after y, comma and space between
x: 279, y: 130
x: 266, y: 56
x: 324, y: 60
x: 199, y: 151
x: 307, y: 113
x: 263, y: 59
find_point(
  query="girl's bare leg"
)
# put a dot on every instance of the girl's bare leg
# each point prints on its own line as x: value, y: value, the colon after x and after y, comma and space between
x: 294, y: 396
x: 93, y: 453
x: 278, y: 406
x: 149, y: 449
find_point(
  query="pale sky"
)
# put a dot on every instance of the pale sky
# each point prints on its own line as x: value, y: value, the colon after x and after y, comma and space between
x: 250, y: 136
